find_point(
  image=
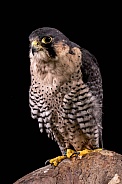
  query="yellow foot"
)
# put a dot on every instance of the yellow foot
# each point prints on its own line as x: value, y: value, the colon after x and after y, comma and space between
x: 55, y: 161
x: 86, y: 151
x: 70, y: 153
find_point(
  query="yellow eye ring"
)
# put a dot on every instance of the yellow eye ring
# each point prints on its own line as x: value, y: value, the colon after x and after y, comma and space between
x: 46, y: 39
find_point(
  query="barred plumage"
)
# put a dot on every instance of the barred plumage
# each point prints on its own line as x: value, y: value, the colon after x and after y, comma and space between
x: 66, y: 90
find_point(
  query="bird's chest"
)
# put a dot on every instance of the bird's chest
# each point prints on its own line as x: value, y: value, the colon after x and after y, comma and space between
x: 64, y: 104
x: 71, y: 102
x: 51, y: 103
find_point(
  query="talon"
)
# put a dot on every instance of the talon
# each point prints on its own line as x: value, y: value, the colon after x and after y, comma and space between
x: 47, y: 162
x: 57, y: 160
x: 75, y: 154
x: 70, y: 153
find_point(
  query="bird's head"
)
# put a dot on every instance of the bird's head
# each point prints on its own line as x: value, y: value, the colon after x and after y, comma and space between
x: 47, y: 43
x: 52, y: 54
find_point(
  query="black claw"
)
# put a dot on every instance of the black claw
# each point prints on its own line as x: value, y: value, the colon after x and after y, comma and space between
x: 47, y: 162
x: 65, y: 153
x: 75, y: 153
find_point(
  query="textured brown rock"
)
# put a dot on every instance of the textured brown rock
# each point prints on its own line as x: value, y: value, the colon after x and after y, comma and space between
x: 103, y: 167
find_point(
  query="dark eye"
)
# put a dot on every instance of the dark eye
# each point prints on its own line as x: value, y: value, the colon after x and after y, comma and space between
x: 47, y: 39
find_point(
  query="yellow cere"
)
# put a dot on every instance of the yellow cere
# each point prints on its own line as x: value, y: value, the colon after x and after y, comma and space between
x: 35, y: 43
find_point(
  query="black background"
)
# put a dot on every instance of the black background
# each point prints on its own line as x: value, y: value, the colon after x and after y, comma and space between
x: 95, y: 27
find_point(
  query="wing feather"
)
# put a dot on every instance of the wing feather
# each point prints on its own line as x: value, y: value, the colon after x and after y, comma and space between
x: 92, y: 77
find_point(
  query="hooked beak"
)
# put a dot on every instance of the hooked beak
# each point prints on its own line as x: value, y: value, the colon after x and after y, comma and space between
x: 36, y: 46
x: 34, y: 50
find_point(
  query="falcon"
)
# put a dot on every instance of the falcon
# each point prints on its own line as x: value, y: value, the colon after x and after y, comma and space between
x: 65, y: 93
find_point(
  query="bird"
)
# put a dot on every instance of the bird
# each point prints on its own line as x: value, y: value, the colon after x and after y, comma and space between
x: 65, y: 92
